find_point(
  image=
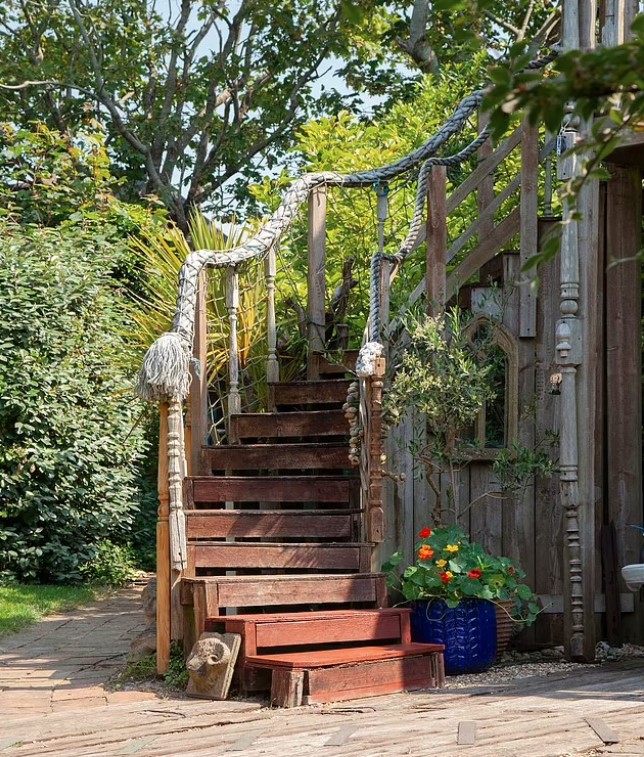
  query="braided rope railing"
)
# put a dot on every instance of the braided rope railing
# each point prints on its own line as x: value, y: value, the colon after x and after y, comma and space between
x: 165, y: 374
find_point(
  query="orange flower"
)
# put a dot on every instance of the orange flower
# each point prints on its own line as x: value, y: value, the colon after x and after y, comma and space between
x: 446, y: 577
x: 426, y: 532
x: 475, y: 573
x: 425, y: 553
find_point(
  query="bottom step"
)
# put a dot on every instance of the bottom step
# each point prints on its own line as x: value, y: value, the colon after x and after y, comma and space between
x: 351, y: 673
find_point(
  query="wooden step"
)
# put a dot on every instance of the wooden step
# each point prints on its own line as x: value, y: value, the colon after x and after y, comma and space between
x: 343, y: 556
x: 332, y: 365
x: 310, y: 392
x: 201, y: 490
x: 287, y: 630
x: 312, y: 423
x: 220, y: 592
x: 335, y: 675
x: 282, y: 456
x: 324, y: 658
x: 285, y: 524
x: 206, y: 597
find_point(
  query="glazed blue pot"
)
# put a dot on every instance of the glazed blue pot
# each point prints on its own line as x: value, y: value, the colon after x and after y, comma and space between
x: 468, y: 632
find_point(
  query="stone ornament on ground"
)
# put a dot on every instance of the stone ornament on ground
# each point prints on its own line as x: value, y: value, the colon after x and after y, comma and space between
x: 211, y: 664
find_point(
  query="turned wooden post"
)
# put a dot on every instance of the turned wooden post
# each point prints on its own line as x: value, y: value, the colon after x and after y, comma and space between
x: 272, y: 366
x: 316, y: 276
x: 199, y: 384
x: 232, y: 304
x: 375, y: 512
x: 163, y: 548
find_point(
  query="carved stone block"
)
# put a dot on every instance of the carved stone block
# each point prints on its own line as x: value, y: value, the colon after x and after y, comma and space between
x: 211, y: 664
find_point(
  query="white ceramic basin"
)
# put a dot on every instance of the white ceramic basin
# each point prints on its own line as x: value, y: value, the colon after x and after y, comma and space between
x: 634, y: 576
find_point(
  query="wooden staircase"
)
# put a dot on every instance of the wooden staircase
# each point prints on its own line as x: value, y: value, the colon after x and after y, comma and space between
x: 277, y: 528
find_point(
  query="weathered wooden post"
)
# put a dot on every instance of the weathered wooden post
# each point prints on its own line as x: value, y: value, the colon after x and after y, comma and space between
x: 436, y: 264
x: 198, y: 399
x: 232, y: 304
x: 163, y: 547
x: 316, y: 278
x: 272, y: 366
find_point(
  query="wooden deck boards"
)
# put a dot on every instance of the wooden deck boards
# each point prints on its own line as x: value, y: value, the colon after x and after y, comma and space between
x: 536, y: 717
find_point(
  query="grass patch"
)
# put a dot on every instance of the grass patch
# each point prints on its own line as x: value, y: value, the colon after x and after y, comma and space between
x: 145, y: 669
x: 20, y: 606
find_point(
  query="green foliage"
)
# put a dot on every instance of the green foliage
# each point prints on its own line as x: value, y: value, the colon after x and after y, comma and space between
x: 67, y: 418
x: 176, y: 675
x: 441, y: 375
x: 145, y: 669
x: 20, y: 606
x: 114, y: 565
x: 515, y: 465
x: 47, y: 176
x: 450, y: 567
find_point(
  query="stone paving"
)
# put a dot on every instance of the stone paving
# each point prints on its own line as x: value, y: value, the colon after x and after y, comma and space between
x: 62, y: 662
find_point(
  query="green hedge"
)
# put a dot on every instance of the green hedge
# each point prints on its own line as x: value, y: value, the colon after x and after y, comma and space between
x: 71, y: 446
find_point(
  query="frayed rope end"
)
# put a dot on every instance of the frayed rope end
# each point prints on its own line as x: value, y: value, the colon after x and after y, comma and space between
x: 165, y: 371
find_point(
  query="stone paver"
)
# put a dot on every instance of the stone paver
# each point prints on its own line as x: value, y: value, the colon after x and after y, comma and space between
x: 63, y: 661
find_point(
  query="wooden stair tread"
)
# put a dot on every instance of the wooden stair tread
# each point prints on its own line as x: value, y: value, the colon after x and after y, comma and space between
x: 298, y: 423
x: 279, y: 456
x: 296, y: 617
x: 324, y: 658
x: 338, y: 524
x: 327, y: 489
x: 327, y: 391
x: 280, y: 579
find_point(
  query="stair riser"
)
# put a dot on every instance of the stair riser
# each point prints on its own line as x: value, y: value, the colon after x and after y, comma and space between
x: 300, y: 457
x: 233, y: 556
x: 296, y: 590
x: 371, y: 679
x: 289, y: 425
x: 328, y: 631
x: 284, y: 525
x: 310, y: 393
x: 214, y: 489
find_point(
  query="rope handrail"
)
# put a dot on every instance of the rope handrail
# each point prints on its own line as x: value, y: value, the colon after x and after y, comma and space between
x: 165, y: 374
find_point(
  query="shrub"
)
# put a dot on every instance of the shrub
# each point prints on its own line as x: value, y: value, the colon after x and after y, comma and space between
x: 114, y: 565
x: 71, y: 445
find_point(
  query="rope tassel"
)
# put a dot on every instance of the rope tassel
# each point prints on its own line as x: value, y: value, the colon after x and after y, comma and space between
x: 165, y: 370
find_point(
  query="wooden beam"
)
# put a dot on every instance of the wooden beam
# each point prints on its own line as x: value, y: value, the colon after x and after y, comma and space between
x: 485, y: 193
x: 163, y: 548
x: 435, y: 271
x: 199, y: 382
x: 316, y: 275
x: 529, y: 225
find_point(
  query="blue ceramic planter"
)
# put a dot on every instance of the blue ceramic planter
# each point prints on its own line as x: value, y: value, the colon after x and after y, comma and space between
x: 468, y: 632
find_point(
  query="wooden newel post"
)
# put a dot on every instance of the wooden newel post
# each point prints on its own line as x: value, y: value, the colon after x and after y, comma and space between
x: 272, y: 366
x: 163, y: 548
x: 232, y: 304
x: 198, y: 384
x: 376, y: 517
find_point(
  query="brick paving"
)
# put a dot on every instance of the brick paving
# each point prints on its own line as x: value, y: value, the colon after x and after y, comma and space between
x: 63, y: 661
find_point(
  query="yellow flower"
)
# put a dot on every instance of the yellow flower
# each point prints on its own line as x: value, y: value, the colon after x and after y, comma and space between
x: 451, y: 548
x: 441, y: 563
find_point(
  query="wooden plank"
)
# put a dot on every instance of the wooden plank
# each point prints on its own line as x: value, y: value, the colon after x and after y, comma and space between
x: 279, y: 425
x: 605, y: 733
x: 529, y: 225
x: 324, y: 658
x: 553, y: 603
x: 215, y: 524
x: 311, y: 392
x: 466, y: 733
x: 272, y: 489
x: 316, y: 273
x: 435, y: 266
x: 610, y: 568
x: 365, y: 627
x: 486, y: 515
x: 281, y: 456
x: 257, y: 591
x: 623, y: 367
x: 484, y: 251
x: 369, y: 679
x: 485, y: 193
x: 231, y: 556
